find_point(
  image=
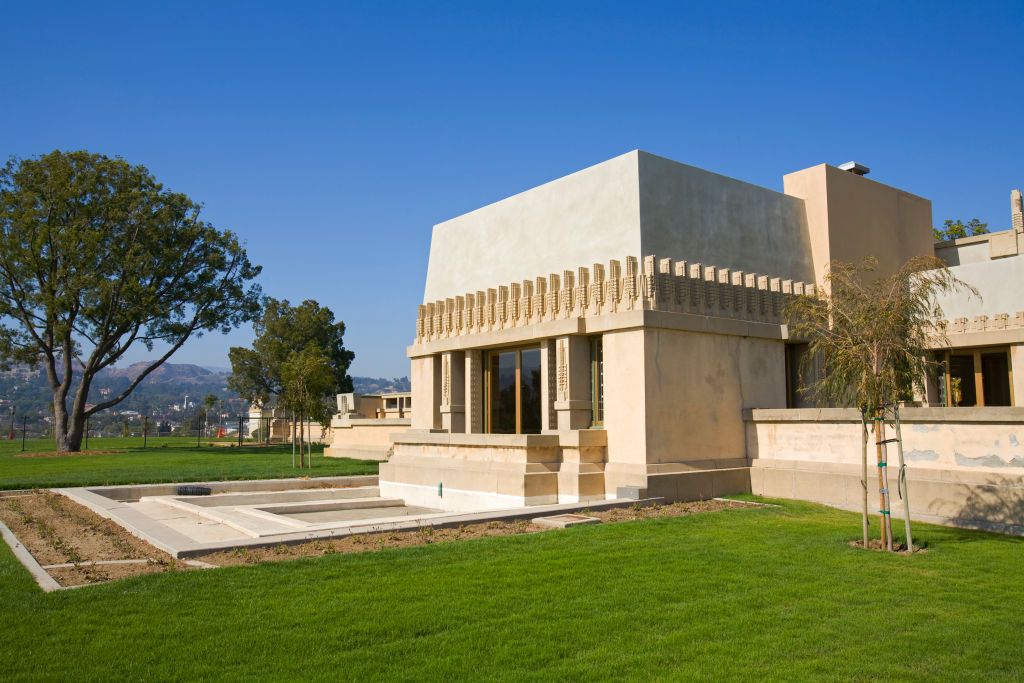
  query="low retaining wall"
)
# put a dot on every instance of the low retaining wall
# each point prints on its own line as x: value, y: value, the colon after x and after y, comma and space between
x: 965, y: 466
x: 364, y: 438
x: 495, y: 471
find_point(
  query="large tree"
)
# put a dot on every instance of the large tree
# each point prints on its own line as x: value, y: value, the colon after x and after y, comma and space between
x: 257, y: 373
x: 96, y: 256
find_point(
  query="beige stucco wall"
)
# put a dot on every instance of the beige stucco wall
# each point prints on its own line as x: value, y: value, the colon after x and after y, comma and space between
x: 585, y: 217
x: 696, y: 387
x: 634, y: 204
x: 935, y: 438
x: 364, y: 439
x: 693, y: 214
x: 965, y: 466
x: 1000, y: 285
x: 851, y: 217
x: 425, y: 379
x: 624, y: 399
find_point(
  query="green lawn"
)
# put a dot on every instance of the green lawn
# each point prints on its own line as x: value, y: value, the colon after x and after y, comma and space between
x: 164, y: 460
x: 747, y: 594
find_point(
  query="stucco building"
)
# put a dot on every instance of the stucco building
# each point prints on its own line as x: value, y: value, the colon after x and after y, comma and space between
x: 615, y: 332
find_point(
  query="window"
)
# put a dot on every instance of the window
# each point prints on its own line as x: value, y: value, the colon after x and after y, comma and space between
x: 977, y: 377
x: 795, y: 354
x: 512, y: 391
x: 597, y: 381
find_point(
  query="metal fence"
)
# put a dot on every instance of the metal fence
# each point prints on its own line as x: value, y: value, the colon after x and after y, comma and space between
x: 238, y: 429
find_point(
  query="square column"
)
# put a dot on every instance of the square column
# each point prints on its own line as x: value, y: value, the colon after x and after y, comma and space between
x: 572, y: 393
x: 474, y: 393
x: 426, y: 392
x: 453, y: 392
x: 548, y: 386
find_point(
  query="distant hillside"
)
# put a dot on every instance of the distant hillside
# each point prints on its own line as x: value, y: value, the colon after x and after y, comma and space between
x: 380, y: 385
x: 163, y: 392
x: 167, y: 373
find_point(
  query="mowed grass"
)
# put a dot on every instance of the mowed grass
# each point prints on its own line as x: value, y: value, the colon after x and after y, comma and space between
x: 163, y: 460
x: 750, y: 594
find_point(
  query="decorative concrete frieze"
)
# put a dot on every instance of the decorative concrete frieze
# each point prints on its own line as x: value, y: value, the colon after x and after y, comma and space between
x: 474, y: 387
x: 983, y: 323
x: 502, y: 311
x: 630, y: 288
x: 565, y: 294
x: 597, y: 293
x: 554, y: 284
x: 653, y: 284
x: 540, y: 292
x: 614, y: 292
x: 724, y: 290
x: 515, y: 295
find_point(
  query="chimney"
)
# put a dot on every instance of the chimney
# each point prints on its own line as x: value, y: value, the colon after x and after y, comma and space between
x: 855, y: 168
x: 1017, y: 211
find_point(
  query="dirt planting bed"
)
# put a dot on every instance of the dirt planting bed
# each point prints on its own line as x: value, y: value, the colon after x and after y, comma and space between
x: 428, y: 534
x: 58, y: 531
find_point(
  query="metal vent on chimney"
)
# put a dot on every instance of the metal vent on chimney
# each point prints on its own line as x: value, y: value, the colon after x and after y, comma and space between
x: 855, y: 168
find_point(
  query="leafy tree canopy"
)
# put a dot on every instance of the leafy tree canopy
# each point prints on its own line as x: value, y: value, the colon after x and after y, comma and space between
x: 258, y: 372
x: 952, y: 230
x: 95, y: 257
x: 872, y: 334
x: 307, y: 378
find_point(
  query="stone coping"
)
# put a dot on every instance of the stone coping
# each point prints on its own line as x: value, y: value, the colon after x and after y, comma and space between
x: 424, y: 437
x: 348, y: 422
x: 576, y: 438
x: 132, y: 492
x: 180, y: 546
x: 21, y: 553
x: 951, y: 415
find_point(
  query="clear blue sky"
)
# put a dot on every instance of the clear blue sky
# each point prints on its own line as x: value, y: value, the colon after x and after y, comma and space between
x: 333, y: 136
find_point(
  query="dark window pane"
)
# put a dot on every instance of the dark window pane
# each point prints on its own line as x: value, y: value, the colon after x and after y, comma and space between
x: 503, y: 393
x: 961, y: 374
x: 995, y: 378
x: 529, y: 391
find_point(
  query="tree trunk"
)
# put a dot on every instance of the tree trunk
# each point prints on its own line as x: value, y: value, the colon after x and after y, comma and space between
x: 68, y: 430
x: 864, y: 474
x: 883, y: 488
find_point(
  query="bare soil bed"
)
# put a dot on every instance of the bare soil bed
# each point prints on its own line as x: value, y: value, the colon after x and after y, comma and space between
x: 428, y: 534
x: 58, y: 531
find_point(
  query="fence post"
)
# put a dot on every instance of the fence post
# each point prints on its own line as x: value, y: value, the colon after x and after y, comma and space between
x: 239, y: 431
x: 145, y: 429
x: 24, y: 423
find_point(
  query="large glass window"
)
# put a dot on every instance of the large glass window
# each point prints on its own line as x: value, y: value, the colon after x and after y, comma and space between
x: 529, y: 391
x: 513, y: 391
x: 977, y: 377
